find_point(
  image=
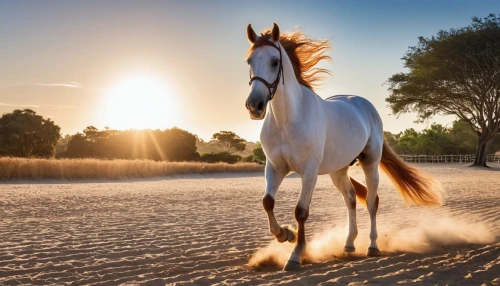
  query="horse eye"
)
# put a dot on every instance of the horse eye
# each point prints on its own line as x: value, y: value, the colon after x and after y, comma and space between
x: 275, y: 64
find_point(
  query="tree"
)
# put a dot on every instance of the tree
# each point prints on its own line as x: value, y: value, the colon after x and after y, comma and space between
x: 169, y: 145
x: 180, y: 145
x: 229, y: 141
x: 463, y: 137
x: 78, y: 147
x: 457, y: 73
x: 435, y: 141
x: 391, y: 139
x: 62, y: 146
x: 23, y: 133
x: 258, y: 153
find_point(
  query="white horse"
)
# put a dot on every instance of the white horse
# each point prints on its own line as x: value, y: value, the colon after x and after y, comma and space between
x: 305, y: 134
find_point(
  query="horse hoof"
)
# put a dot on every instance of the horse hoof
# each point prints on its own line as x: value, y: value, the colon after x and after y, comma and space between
x: 289, y: 234
x: 291, y: 266
x: 372, y: 251
x: 349, y: 249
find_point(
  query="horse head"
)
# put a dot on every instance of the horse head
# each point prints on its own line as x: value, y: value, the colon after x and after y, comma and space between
x: 266, y: 70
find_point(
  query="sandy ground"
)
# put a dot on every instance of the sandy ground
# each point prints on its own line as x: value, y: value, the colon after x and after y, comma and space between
x: 211, y: 229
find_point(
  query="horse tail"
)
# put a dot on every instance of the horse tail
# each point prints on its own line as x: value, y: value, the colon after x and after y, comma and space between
x: 361, y: 190
x: 413, y: 185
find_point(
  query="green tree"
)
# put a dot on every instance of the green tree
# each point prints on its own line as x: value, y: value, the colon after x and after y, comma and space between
x: 258, y: 153
x: 391, y: 139
x: 229, y: 141
x: 435, y: 141
x: 455, y: 72
x: 463, y: 137
x: 407, y: 143
x: 23, y: 133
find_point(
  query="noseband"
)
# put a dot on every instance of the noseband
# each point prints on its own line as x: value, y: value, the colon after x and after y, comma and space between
x: 274, y: 85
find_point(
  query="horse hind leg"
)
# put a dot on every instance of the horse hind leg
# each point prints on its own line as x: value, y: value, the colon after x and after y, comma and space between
x: 341, y: 181
x: 372, y: 201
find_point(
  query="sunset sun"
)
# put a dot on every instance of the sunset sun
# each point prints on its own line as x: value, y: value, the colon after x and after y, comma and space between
x: 139, y: 102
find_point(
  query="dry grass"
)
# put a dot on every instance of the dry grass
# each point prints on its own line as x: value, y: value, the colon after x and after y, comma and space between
x: 21, y: 168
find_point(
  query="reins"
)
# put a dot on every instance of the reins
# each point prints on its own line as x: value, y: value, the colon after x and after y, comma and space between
x: 274, y: 85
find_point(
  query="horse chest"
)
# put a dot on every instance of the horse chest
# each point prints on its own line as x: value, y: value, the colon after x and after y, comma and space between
x: 284, y: 153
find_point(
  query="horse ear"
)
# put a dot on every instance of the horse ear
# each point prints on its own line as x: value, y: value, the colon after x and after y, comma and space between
x: 251, y: 34
x: 276, y: 32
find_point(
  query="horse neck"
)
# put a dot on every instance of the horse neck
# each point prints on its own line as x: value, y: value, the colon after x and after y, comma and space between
x: 286, y: 102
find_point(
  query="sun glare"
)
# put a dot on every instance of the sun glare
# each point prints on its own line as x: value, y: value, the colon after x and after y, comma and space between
x: 138, y: 103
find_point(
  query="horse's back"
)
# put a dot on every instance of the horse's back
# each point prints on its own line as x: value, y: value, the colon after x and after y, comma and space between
x: 356, y: 105
x: 354, y: 100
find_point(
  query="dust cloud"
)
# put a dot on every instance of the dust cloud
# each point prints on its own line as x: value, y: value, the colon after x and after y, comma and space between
x: 430, y: 234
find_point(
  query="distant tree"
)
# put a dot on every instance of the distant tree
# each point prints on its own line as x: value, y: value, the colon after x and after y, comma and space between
x: 456, y: 72
x: 463, y: 137
x: 180, y: 145
x: 258, y: 153
x: 407, y: 143
x: 23, y: 133
x: 435, y: 141
x: 78, y: 147
x: 92, y: 134
x: 62, y: 145
x: 391, y: 139
x: 438, y: 140
x: 170, y: 145
x: 129, y: 144
x: 495, y: 145
x: 229, y: 141
x: 249, y: 159
x: 97, y: 139
x: 92, y: 143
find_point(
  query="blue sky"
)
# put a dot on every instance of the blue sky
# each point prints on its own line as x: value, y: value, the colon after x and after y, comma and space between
x: 196, y: 48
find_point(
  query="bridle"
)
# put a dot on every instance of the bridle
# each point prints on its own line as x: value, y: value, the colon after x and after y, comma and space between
x: 274, y: 85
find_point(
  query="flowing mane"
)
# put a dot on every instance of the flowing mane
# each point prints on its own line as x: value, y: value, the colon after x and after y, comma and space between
x: 304, y: 54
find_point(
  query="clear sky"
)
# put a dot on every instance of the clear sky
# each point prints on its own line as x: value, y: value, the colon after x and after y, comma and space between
x: 158, y: 64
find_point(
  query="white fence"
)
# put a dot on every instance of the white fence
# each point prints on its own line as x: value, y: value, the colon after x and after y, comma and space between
x: 446, y: 158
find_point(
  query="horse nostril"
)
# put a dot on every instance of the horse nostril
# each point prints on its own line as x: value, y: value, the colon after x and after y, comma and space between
x: 260, y: 106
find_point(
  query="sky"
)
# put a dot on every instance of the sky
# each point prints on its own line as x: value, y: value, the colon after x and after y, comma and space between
x: 159, y: 64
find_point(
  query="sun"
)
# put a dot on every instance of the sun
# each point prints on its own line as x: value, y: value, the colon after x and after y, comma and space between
x: 139, y: 102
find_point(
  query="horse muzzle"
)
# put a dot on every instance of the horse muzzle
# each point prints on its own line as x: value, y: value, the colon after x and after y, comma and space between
x: 256, y: 108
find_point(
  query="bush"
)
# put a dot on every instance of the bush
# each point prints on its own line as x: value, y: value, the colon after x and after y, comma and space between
x: 220, y: 157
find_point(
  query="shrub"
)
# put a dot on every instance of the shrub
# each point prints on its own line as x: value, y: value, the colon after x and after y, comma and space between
x: 220, y: 157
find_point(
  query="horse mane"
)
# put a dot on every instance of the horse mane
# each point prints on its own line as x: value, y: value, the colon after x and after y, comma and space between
x: 304, y: 54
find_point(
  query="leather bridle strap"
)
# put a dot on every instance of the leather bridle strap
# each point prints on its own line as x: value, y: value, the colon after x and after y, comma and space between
x: 274, y: 85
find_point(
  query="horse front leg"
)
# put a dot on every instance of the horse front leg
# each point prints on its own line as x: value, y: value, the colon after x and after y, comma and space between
x: 274, y: 178
x: 301, y: 214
